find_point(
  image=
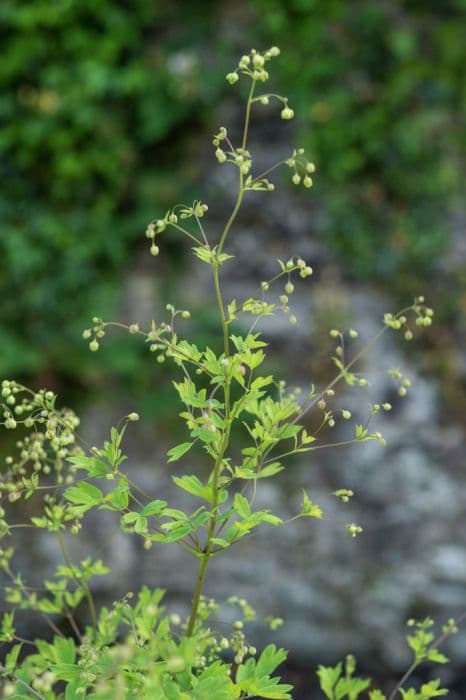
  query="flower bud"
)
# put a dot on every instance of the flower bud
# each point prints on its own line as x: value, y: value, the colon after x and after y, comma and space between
x: 93, y: 345
x: 220, y: 155
x: 232, y: 78
x: 296, y: 179
x: 287, y: 113
x: 307, y: 182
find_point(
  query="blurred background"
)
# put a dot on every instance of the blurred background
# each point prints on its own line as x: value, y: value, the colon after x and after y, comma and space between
x: 106, y: 117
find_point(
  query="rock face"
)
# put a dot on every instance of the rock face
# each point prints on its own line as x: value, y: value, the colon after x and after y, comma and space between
x: 336, y: 594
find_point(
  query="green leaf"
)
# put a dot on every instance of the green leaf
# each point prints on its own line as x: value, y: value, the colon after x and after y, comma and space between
x: 328, y: 678
x: 193, y: 485
x: 241, y: 505
x: 176, y: 452
x: 203, y: 253
x: 11, y: 658
x: 83, y: 496
x: 94, y: 467
x: 156, y: 508
x: 270, y: 658
x: 310, y: 509
x: 437, y: 657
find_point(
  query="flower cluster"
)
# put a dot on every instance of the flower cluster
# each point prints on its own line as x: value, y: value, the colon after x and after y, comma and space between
x: 302, y: 168
x: 253, y: 65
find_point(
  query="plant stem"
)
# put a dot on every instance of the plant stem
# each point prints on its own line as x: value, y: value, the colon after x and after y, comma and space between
x: 82, y: 584
x: 403, y: 680
x: 207, y: 553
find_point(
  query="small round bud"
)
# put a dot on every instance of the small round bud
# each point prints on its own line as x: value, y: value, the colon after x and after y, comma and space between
x: 387, y: 406
x: 296, y: 179
x: 265, y: 286
x: 264, y: 100
x: 274, y: 51
x: 353, y: 333
x: 287, y: 113
x: 293, y: 320
x: 408, y: 335
x: 232, y: 78
x: 346, y: 414
x: 87, y: 333
x: 185, y: 314
x: 154, y: 250
x: 134, y: 328
x: 307, y: 182
x: 310, y: 168
x: 133, y: 417
x: 220, y: 155
x: 289, y: 287
x: 93, y: 345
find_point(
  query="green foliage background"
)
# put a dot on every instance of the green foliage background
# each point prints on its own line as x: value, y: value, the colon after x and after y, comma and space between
x: 95, y: 94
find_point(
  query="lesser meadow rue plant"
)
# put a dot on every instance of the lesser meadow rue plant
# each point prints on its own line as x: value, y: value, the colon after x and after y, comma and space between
x: 135, y: 649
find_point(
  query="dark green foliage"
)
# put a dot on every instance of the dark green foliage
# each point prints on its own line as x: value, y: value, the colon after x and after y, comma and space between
x: 91, y: 92
x: 381, y: 85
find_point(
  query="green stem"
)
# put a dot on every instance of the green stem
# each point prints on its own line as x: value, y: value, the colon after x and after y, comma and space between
x: 206, y: 555
x: 82, y: 584
x: 403, y: 680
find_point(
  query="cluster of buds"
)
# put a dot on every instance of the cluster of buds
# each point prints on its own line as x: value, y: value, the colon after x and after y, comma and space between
x: 247, y: 610
x: 253, y: 65
x: 292, y: 265
x: 302, y: 168
x: 423, y: 313
x: 403, y: 382
x: 226, y: 152
x: 343, y: 494
x: 52, y: 438
x: 96, y: 332
x: 353, y: 529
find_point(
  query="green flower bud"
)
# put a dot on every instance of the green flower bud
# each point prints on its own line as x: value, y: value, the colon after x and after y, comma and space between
x: 220, y: 155
x: 232, y: 78
x: 307, y: 182
x: 133, y: 417
x: 154, y: 250
x: 296, y: 179
x: 93, y: 345
x: 287, y: 113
